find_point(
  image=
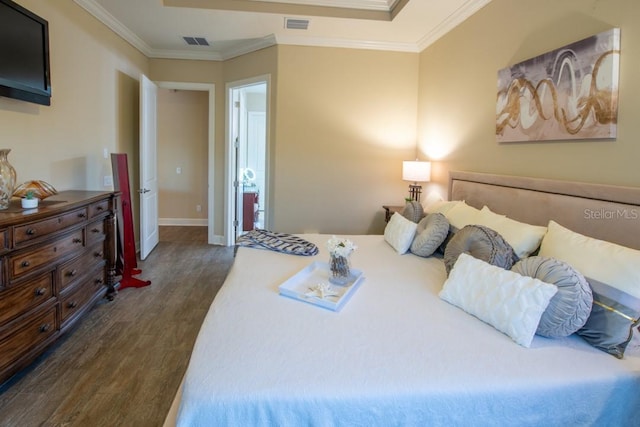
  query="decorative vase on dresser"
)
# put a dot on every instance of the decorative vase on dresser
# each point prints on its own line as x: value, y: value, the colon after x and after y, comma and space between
x: 56, y: 262
x: 7, y: 178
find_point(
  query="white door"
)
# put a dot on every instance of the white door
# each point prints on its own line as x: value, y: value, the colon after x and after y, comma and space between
x: 247, y: 139
x: 149, y: 230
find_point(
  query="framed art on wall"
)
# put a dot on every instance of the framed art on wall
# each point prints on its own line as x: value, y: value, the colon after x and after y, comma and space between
x: 568, y: 93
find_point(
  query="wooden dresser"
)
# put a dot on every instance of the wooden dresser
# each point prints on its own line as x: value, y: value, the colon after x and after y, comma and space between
x: 56, y: 261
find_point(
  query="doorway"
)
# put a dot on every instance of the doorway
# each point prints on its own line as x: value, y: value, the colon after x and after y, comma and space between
x: 212, y: 238
x: 247, y: 159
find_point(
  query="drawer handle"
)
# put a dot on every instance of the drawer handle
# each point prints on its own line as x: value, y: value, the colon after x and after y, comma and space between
x: 100, y: 208
x: 98, y: 254
x: 99, y: 281
x: 31, y: 231
x: 41, y: 291
x: 76, y: 240
x: 45, y: 327
x: 72, y: 304
x: 72, y: 273
x: 25, y: 263
x: 95, y: 230
x: 81, y: 215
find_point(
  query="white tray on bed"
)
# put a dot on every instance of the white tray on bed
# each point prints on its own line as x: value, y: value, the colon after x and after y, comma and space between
x: 300, y: 285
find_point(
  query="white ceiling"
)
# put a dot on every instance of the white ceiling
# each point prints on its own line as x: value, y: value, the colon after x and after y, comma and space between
x: 236, y: 27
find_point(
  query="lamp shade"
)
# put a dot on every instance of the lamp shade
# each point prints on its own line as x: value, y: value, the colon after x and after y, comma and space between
x: 416, y: 171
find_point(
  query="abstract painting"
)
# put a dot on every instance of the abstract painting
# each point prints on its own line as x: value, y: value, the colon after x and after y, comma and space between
x: 568, y: 93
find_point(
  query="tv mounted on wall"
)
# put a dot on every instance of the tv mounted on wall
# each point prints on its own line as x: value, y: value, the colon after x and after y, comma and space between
x: 24, y: 54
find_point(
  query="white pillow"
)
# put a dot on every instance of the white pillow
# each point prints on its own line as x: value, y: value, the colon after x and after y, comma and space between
x: 441, y: 206
x: 462, y: 214
x: 523, y: 238
x: 400, y: 232
x: 606, y: 262
x: 511, y: 303
x: 430, y: 199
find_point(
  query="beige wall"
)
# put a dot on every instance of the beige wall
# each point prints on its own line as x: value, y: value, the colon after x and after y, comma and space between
x: 183, y: 127
x: 263, y: 63
x: 458, y: 77
x: 341, y: 123
x: 94, y: 79
x: 345, y: 121
x: 341, y: 120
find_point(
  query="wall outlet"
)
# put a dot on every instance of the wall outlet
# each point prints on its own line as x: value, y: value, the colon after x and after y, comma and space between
x: 178, y: 170
x: 198, y: 208
x: 107, y: 180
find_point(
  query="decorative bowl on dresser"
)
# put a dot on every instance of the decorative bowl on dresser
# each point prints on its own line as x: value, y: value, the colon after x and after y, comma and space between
x: 56, y: 262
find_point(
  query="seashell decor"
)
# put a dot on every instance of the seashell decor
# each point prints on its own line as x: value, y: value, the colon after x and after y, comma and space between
x: 40, y: 189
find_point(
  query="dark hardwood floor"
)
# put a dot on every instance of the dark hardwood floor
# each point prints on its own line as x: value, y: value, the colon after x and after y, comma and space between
x: 122, y: 365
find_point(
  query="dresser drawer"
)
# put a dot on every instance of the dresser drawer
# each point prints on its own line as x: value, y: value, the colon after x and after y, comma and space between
x: 26, y: 262
x: 31, y: 333
x: 25, y: 296
x: 27, y: 232
x: 78, y: 296
x: 98, y: 208
x: 95, y: 231
x: 4, y: 240
x: 81, y: 266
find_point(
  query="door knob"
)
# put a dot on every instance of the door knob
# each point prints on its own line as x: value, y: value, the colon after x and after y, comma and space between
x: 143, y: 191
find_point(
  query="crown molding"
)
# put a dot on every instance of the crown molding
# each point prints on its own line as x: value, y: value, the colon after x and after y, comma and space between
x: 116, y: 26
x: 347, y: 43
x: 452, y: 21
x: 248, y: 46
x: 378, y: 10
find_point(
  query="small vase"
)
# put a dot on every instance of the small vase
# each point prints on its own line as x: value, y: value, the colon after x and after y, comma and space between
x: 29, y: 203
x: 7, y: 179
x: 340, y: 273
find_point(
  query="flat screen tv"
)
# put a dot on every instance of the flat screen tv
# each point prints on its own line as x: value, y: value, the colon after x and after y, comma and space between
x: 24, y: 54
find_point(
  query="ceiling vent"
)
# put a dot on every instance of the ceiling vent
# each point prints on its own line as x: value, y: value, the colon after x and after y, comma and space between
x: 196, y: 41
x: 296, y: 24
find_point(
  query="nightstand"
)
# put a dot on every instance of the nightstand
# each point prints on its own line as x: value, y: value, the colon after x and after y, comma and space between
x: 390, y: 210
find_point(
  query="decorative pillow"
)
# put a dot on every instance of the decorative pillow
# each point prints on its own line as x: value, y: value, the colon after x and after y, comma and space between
x: 430, y: 200
x: 523, y: 238
x: 613, y: 317
x: 399, y: 233
x: 606, y: 262
x: 613, y: 271
x: 569, y: 309
x: 430, y: 234
x: 441, y: 206
x: 413, y: 211
x: 511, y: 303
x: 480, y: 242
x: 462, y: 214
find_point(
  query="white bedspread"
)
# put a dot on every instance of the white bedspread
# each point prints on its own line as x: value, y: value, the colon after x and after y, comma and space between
x: 396, y: 355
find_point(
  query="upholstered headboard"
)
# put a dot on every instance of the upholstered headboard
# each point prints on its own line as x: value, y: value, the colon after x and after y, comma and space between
x: 605, y: 212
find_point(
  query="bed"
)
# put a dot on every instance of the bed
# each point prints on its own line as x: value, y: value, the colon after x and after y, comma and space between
x: 397, y: 353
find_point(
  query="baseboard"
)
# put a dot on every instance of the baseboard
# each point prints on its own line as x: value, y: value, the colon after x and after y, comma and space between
x: 192, y: 222
x: 187, y: 222
x: 218, y: 240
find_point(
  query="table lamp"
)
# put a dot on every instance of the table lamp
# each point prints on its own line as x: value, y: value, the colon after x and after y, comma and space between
x: 416, y: 171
